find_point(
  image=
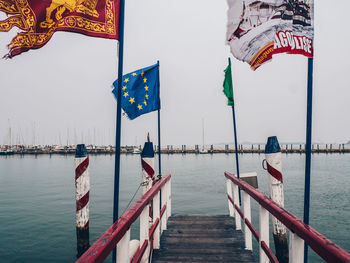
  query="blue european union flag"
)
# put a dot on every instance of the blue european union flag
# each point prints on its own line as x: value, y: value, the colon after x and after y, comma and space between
x: 140, y: 91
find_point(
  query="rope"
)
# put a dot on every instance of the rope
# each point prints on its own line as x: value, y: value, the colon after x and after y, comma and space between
x: 126, y: 208
x: 141, y: 184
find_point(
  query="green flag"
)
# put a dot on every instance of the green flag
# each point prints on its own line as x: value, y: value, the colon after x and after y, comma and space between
x: 228, y: 87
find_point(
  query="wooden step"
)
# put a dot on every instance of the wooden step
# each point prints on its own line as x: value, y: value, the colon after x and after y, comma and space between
x: 201, y: 238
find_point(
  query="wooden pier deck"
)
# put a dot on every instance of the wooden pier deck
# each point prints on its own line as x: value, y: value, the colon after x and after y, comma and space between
x: 201, y: 238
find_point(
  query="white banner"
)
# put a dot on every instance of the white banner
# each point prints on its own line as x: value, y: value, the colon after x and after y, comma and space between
x: 256, y: 30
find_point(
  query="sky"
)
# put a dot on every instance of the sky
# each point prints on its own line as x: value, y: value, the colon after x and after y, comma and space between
x: 61, y: 93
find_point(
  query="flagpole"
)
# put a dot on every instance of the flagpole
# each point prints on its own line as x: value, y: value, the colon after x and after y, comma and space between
x: 235, y: 135
x: 159, y: 148
x: 308, y: 151
x: 118, y: 117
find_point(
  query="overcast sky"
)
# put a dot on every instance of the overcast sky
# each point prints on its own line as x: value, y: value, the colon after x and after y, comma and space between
x: 65, y: 87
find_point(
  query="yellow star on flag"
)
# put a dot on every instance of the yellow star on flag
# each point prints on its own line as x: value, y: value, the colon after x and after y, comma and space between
x: 139, y: 106
x: 124, y: 87
x: 126, y: 80
x: 134, y: 74
x: 132, y: 100
x: 126, y: 94
x: 142, y: 73
x: 145, y: 102
x: 146, y: 96
x: 146, y: 88
x: 144, y: 80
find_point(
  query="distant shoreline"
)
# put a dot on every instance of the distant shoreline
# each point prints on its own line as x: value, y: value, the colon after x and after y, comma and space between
x: 170, y: 150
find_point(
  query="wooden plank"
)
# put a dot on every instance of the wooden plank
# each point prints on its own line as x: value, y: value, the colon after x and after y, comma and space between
x: 201, y: 238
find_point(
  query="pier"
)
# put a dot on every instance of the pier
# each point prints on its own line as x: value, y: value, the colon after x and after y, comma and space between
x: 172, y: 149
x: 204, y: 238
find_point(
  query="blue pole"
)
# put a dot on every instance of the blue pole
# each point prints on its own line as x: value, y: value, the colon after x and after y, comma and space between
x: 118, y: 117
x: 235, y: 135
x: 159, y: 148
x: 308, y: 151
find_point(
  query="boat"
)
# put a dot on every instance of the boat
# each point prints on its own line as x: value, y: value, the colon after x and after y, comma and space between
x: 136, y: 150
x: 203, y: 151
x: 6, y: 150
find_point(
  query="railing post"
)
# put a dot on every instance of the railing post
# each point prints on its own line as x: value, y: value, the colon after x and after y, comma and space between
x: 123, y: 248
x: 163, y: 200
x: 247, y: 214
x: 264, y: 233
x: 296, y: 248
x: 156, y: 215
x: 229, y: 193
x: 236, y: 201
x: 168, y: 199
x: 144, y: 231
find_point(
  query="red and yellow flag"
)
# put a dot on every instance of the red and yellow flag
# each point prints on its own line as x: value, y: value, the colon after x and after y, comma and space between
x: 40, y: 19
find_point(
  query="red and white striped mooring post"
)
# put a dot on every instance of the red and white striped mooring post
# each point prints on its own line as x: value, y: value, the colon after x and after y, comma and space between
x: 147, y: 162
x: 273, y: 162
x: 82, y: 191
x: 148, y: 178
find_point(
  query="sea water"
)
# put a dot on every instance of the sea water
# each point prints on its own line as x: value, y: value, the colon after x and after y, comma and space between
x: 37, y: 197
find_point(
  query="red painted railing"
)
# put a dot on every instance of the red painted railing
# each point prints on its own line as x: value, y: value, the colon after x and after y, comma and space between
x: 100, y: 250
x: 324, y: 247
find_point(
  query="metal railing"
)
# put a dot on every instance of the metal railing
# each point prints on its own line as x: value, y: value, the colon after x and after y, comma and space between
x: 299, y: 231
x: 119, y: 233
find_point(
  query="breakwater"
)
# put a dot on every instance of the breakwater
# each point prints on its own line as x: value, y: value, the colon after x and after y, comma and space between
x: 171, y: 149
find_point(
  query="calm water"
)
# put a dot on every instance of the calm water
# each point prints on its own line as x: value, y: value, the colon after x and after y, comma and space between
x: 37, y: 197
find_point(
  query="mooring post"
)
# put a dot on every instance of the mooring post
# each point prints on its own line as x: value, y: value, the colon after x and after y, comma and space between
x: 226, y: 148
x: 147, y: 164
x: 273, y: 162
x: 82, y: 190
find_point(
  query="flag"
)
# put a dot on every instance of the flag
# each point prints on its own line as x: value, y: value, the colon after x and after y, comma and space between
x: 140, y: 91
x: 259, y: 29
x: 38, y: 20
x: 228, y: 87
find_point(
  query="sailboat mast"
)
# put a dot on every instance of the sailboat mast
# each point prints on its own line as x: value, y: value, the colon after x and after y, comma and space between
x: 203, y: 133
x: 10, y: 139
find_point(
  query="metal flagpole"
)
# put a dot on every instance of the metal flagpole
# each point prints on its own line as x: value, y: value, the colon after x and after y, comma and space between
x: 308, y: 150
x: 118, y: 117
x: 235, y: 135
x: 159, y: 148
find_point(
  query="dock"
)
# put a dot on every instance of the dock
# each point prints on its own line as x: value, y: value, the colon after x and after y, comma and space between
x: 165, y: 237
x: 202, y: 238
x: 172, y: 149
